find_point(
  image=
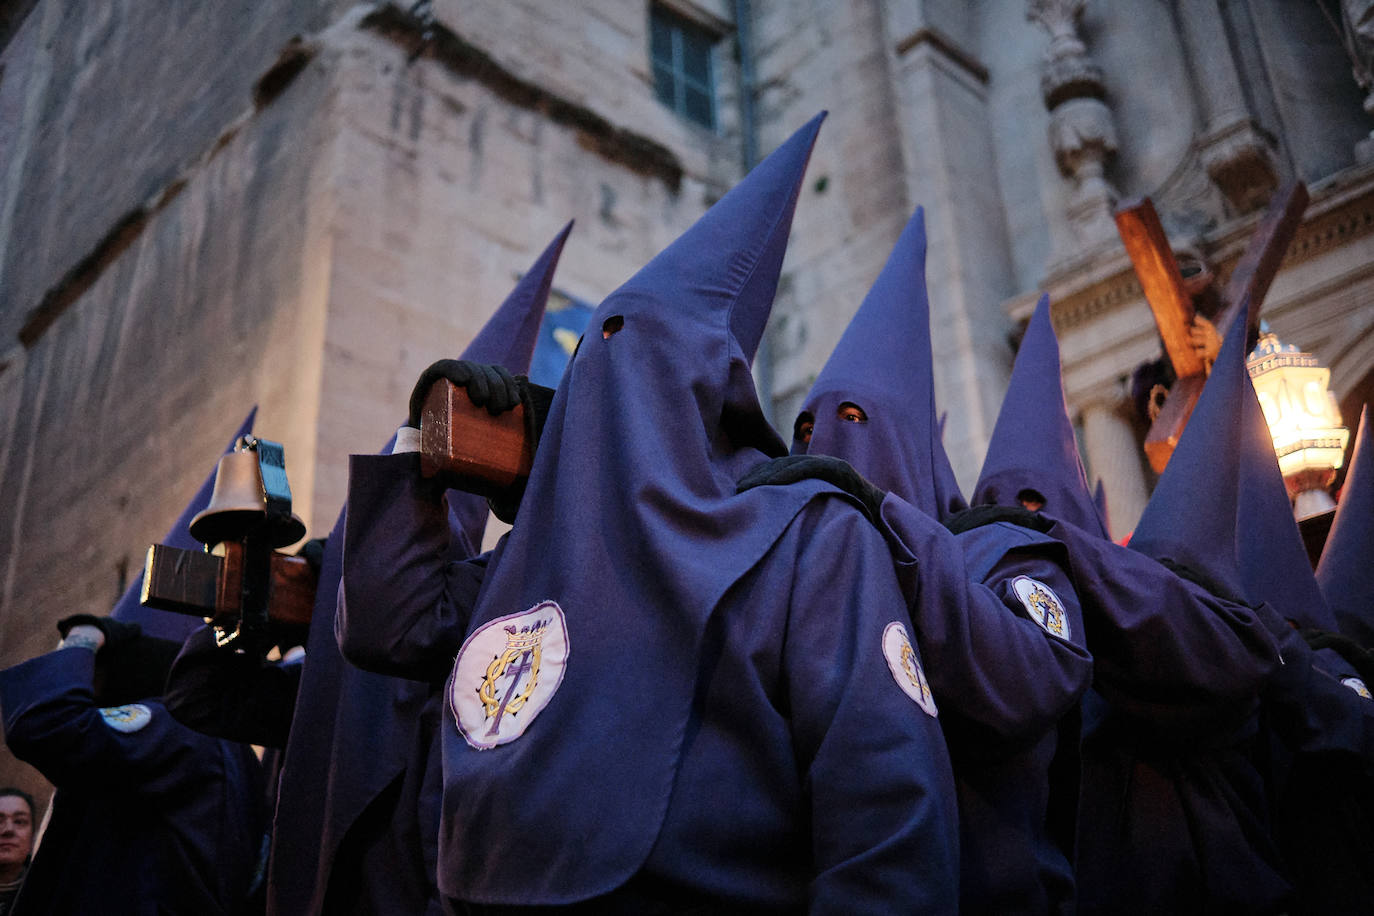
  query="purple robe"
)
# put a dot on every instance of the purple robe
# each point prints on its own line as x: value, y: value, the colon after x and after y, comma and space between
x: 150, y: 816
x: 1009, y: 690
x: 1008, y: 687
x: 1175, y: 814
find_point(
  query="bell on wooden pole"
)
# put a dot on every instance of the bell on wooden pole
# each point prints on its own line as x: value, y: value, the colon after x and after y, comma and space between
x: 250, y: 497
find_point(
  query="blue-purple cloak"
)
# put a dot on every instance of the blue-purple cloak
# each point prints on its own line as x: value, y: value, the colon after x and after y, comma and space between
x: 1175, y: 815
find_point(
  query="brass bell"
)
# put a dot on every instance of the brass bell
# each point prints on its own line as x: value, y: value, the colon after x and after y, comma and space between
x: 238, y: 505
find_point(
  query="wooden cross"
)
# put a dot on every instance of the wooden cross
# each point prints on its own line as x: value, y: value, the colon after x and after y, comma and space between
x: 1157, y: 270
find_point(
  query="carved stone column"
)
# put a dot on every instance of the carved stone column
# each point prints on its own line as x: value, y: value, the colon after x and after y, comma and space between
x: 1082, y: 133
x: 1237, y: 152
x: 1114, y: 455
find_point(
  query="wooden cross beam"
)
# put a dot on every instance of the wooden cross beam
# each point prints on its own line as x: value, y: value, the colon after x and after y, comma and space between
x: 1155, y: 266
x: 204, y: 585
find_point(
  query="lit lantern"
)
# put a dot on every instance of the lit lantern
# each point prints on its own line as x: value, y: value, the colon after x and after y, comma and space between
x: 1303, y: 419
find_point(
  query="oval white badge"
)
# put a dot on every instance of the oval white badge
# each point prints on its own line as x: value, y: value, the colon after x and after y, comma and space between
x: 1357, y: 685
x: 1043, y: 606
x: 905, y: 666
x: 506, y: 673
x: 127, y: 719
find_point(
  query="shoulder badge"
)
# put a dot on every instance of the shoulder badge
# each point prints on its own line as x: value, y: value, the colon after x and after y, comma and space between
x: 1043, y: 605
x: 1357, y: 685
x: 506, y: 673
x: 127, y: 719
x: 905, y: 666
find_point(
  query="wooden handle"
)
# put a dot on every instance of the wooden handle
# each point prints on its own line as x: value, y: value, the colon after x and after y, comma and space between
x: 203, y: 585
x: 474, y: 450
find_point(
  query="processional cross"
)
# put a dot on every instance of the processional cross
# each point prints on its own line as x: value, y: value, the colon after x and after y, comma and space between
x: 1165, y: 291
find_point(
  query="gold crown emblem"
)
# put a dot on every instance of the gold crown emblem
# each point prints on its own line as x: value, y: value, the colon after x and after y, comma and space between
x: 526, y: 637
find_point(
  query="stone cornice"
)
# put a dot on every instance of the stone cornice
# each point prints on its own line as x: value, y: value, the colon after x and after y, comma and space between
x: 1342, y: 209
x: 947, y: 48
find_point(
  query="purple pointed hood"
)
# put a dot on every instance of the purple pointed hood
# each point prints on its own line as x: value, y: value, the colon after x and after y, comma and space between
x: 508, y: 340
x: 883, y: 365
x: 629, y: 534
x: 1221, y: 507
x: 165, y: 624
x: 1033, y: 445
x: 1344, y: 570
x: 1269, y: 548
x: 1190, y: 519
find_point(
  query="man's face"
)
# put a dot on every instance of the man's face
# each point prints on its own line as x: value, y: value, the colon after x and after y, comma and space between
x: 16, y: 830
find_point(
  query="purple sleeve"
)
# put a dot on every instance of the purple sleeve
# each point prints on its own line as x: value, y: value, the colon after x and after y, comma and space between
x: 53, y: 724
x: 1310, y: 710
x: 883, y: 817
x: 403, y: 606
x: 1165, y: 649
x: 998, y: 669
x: 233, y: 695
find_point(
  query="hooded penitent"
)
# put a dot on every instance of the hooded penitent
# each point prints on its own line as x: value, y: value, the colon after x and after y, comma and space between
x: 629, y: 535
x: 327, y: 780
x: 1033, y: 446
x: 883, y: 366
x: 1221, y: 508
x: 1169, y: 758
x: 160, y: 817
x: 1344, y: 570
x: 1004, y: 680
x: 165, y: 624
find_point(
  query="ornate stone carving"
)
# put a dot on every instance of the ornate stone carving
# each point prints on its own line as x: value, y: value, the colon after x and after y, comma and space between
x: 1060, y: 19
x: 1357, y: 31
x: 1240, y: 160
x: 1082, y: 133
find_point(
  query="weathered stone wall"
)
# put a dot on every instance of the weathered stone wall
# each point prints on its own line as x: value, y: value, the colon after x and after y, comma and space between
x: 446, y: 191
x: 854, y: 203
x: 122, y: 98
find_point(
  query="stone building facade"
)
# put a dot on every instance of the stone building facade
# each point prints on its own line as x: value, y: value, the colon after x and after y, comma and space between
x: 301, y: 203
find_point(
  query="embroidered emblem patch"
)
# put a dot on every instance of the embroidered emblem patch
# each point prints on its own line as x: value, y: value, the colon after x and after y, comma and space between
x: 127, y: 719
x: 1357, y: 685
x: 506, y: 673
x: 905, y: 666
x: 1043, y: 605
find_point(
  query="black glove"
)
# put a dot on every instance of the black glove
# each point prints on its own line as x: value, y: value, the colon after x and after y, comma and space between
x: 1202, y: 580
x: 792, y: 468
x: 487, y: 385
x: 117, y: 632
x: 312, y: 551
x: 537, y: 400
x: 978, y: 516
